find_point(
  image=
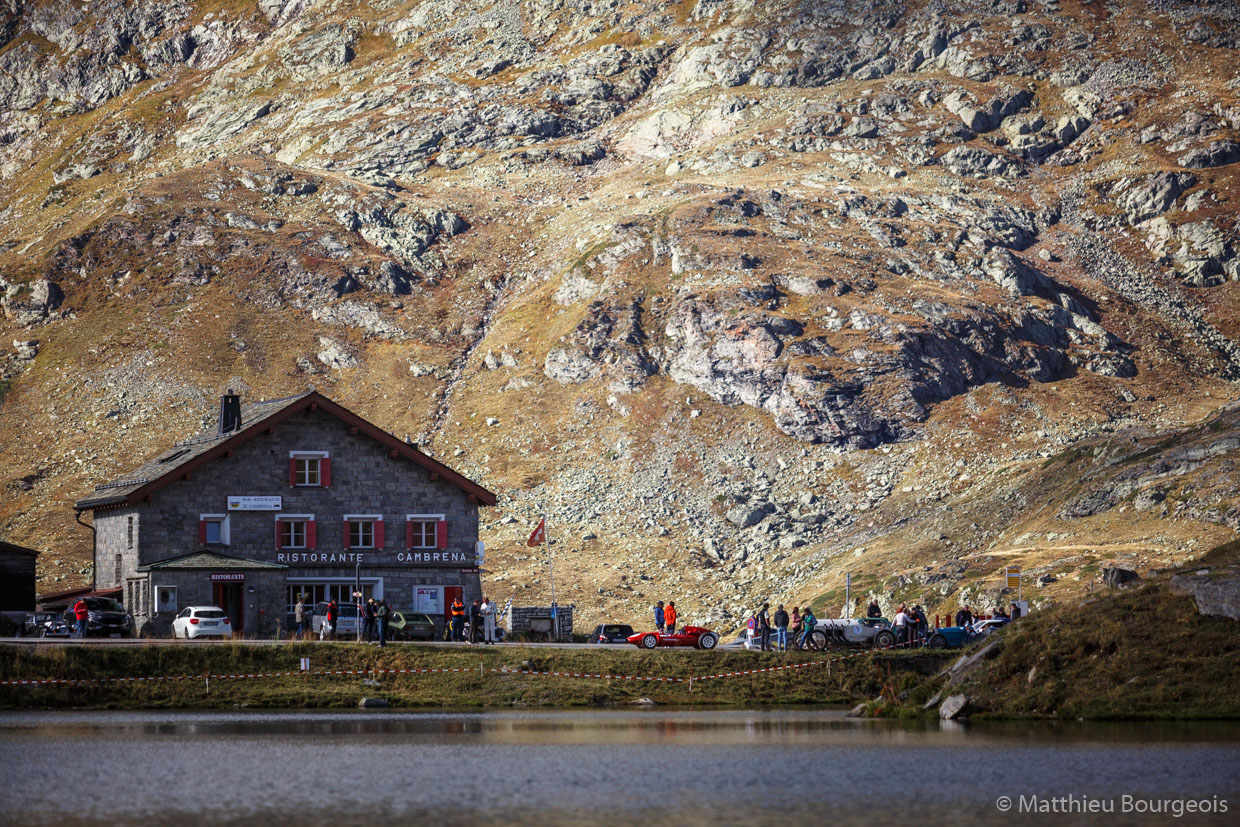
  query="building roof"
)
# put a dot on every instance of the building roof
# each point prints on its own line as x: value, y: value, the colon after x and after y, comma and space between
x: 256, y: 418
x: 55, y: 598
x: 211, y: 560
x: 17, y: 549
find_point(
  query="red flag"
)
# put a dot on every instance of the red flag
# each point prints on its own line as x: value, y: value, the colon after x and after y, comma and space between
x: 540, y: 533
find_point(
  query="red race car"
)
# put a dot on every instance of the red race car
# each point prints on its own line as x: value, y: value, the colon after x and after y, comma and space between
x: 688, y: 636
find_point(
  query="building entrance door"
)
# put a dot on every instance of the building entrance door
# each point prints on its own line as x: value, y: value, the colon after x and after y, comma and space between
x: 231, y: 598
x: 450, y: 595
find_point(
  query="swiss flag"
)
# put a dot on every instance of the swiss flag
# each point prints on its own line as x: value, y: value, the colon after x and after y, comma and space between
x: 539, y: 535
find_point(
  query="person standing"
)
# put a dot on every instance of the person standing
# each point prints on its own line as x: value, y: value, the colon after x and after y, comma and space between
x: 781, y: 628
x: 81, y: 614
x: 370, y: 612
x: 669, y: 617
x: 658, y: 617
x: 458, y: 619
x: 874, y: 610
x: 794, y: 631
x: 964, y: 617
x: 475, y: 621
x: 380, y: 619
x: 299, y: 617
x: 764, y: 627
x: 333, y: 616
x: 921, y: 625
x: 808, y: 623
x: 488, y: 620
x: 901, y: 625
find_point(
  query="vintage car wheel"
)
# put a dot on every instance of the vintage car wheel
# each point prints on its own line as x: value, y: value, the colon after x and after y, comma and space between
x: 884, y: 639
x: 938, y: 641
x: 650, y: 641
x: 707, y: 641
x: 818, y: 640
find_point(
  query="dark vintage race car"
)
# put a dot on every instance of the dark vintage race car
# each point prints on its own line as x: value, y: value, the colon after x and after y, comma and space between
x: 688, y: 636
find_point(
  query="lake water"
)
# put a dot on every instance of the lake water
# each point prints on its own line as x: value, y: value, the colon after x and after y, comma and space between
x: 787, y: 767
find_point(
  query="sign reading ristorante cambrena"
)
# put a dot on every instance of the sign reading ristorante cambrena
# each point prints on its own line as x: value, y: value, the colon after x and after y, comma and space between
x: 430, y: 557
x: 255, y: 503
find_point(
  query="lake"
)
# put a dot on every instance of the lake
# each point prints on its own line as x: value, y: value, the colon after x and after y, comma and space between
x: 679, y: 767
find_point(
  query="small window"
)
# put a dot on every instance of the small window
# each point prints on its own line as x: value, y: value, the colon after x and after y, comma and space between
x: 120, y: 565
x: 361, y: 534
x: 213, y: 529
x: 423, y: 530
x: 292, y: 533
x: 307, y: 471
x: 129, y: 531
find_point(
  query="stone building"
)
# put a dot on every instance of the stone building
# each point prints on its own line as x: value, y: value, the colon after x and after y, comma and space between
x: 286, y: 497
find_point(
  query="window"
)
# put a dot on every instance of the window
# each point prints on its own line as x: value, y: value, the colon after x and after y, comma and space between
x: 295, y: 531
x: 129, y: 531
x: 425, y: 531
x: 120, y: 565
x: 309, y: 469
x: 323, y: 592
x: 213, y: 530
x: 363, y: 531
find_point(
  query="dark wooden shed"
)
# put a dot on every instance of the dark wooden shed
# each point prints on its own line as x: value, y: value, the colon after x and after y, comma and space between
x: 17, y: 577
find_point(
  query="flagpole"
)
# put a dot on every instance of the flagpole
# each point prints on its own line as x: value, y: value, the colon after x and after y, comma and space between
x: 551, y: 571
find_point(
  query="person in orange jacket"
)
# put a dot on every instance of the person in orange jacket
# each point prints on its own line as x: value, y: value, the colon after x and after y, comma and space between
x: 669, y: 617
x: 458, y: 619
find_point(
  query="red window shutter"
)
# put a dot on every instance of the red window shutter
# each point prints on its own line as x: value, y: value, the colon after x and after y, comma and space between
x: 292, y: 471
x: 325, y: 472
x: 311, y: 535
x: 346, y: 534
x: 408, y: 533
x: 378, y: 533
x: 441, y: 534
x: 278, y: 526
x: 202, y: 532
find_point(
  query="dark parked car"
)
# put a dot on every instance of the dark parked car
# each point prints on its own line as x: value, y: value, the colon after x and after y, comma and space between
x: 611, y: 633
x: 106, y: 618
x: 45, y: 624
x: 410, y: 626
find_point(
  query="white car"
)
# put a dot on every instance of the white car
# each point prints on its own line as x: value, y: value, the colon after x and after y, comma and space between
x: 201, y: 621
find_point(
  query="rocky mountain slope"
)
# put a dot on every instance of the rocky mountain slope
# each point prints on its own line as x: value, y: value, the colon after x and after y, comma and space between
x: 743, y: 295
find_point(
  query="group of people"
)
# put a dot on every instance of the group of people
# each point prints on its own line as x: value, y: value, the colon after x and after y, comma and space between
x: 911, y: 626
x: 481, y: 621
x: 773, y: 632
x: 665, y: 617
x: 375, y: 615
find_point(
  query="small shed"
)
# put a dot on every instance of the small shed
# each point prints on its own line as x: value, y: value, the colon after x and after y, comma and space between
x: 17, y: 577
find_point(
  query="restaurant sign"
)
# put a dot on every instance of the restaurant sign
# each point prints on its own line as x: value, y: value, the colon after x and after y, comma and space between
x: 228, y: 576
x: 255, y: 503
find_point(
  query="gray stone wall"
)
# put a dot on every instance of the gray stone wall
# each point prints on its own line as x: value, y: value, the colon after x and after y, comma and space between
x: 518, y: 620
x: 112, y: 538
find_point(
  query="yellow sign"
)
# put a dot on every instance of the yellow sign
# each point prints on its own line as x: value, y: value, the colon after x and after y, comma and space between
x: 1013, y: 578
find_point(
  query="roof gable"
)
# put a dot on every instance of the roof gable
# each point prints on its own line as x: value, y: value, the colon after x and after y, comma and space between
x: 17, y: 549
x: 185, y: 456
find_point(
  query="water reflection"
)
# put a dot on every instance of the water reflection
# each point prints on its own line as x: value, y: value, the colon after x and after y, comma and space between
x: 621, y: 766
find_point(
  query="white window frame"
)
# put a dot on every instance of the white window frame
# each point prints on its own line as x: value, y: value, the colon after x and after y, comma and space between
x: 423, y: 518
x: 319, y: 455
x: 363, y: 518
x: 293, y: 518
x: 225, y: 532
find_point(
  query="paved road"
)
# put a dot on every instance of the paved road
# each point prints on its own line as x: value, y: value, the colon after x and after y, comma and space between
x: 31, y: 641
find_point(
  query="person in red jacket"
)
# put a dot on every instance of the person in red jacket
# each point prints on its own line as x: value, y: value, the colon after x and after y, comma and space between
x: 81, y: 612
x: 669, y: 617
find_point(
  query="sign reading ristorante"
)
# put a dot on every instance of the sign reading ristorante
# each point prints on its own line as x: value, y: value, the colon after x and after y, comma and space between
x: 433, y: 557
x: 255, y: 503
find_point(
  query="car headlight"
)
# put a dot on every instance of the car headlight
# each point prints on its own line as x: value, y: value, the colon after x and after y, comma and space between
x: 128, y: 621
x: 93, y: 615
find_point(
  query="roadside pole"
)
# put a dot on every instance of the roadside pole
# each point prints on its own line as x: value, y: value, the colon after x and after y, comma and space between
x: 847, y: 594
x: 357, y: 595
x: 555, y: 614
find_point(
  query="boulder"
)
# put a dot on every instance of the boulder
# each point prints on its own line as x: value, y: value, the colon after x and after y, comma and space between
x: 1219, y: 597
x: 975, y: 162
x: 1215, y: 154
x: 953, y: 707
x: 744, y: 516
x: 1117, y: 578
x: 29, y: 308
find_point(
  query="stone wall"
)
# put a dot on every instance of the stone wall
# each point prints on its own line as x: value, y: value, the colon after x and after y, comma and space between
x: 518, y: 620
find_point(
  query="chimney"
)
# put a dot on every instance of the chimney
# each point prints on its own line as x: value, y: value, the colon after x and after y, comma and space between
x: 230, y: 412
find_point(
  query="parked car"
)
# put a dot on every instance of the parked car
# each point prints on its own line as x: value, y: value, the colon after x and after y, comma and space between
x: 105, y: 618
x: 410, y: 626
x: 847, y: 631
x: 985, y: 627
x: 45, y: 624
x: 688, y: 636
x: 611, y: 633
x: 201, y: 621
x: 952, y: 637
x: 346, y: 623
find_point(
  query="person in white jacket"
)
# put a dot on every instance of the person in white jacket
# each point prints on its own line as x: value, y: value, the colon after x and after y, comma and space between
x: 487, y: 610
